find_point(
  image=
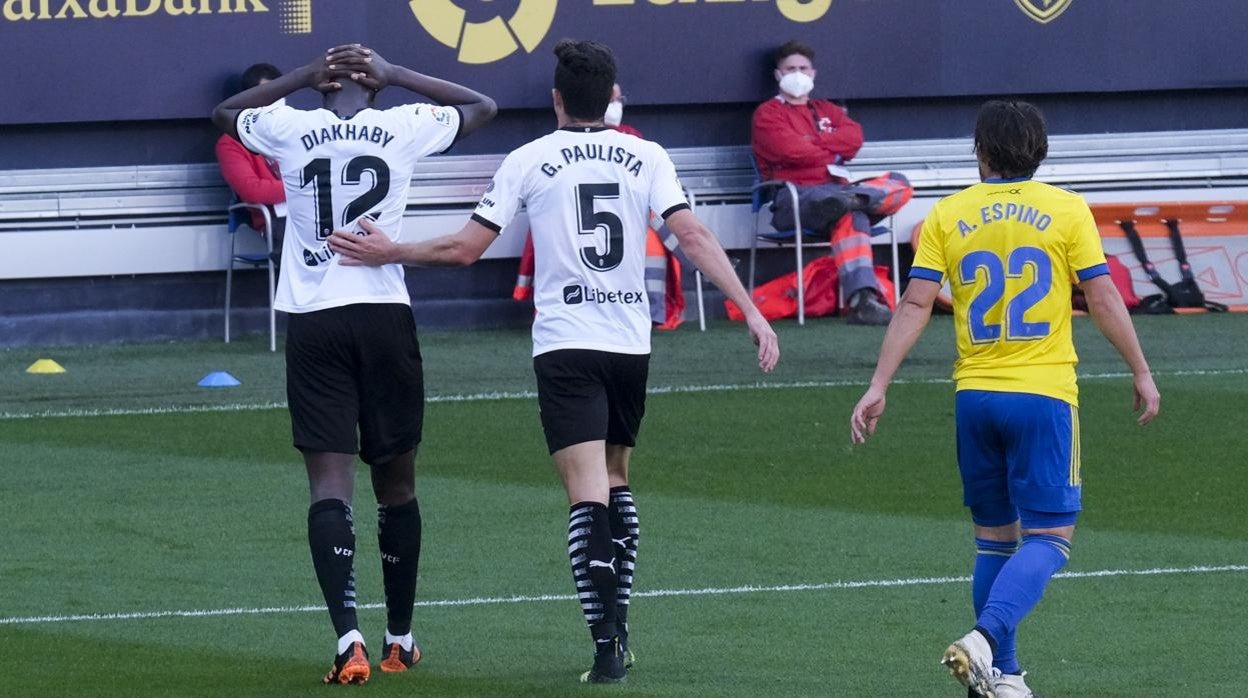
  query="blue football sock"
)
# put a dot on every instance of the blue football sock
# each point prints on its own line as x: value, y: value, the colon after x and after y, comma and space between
x: 990, y: 558
x: 1021, y: 583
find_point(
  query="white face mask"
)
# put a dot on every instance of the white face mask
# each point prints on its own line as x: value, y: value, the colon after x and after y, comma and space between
x: 614, y: 115
x: 797, y: 84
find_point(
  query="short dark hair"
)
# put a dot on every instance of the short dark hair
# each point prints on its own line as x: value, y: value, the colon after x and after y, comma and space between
x: 791, y: 47
x: 260, y: 71
x: 1011, y: 137
x: 585, y: 77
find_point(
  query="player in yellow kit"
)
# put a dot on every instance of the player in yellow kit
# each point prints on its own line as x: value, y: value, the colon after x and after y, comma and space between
x: 1011, y: 248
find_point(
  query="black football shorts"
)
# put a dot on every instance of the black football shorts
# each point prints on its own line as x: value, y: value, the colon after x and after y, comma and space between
x: 587, y: 395
x: 355, y: 369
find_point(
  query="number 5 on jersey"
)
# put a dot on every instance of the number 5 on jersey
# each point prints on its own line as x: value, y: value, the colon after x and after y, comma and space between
x: 587, y: 197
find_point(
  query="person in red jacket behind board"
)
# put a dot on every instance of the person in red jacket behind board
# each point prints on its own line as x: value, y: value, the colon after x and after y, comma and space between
x: 808, y: 141
x: 254, y: 178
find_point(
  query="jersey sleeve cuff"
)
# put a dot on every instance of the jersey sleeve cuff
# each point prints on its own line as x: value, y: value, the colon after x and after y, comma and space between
x: 682, y: 206
x: 927, y: 274
x: 1092, y: 272
x: 482, y: 220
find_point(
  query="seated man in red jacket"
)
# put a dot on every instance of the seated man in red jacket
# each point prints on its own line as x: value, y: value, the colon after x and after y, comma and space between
x: 254, y: 178
x: 808, y: 141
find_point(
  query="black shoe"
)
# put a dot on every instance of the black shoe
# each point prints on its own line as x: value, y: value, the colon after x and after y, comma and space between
x: 608, y: 665
x: 867, y: 308
x: 629, y: 659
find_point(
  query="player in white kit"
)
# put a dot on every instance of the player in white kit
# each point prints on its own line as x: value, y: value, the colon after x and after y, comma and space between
x: 352, y: 356
x: 589, y: 191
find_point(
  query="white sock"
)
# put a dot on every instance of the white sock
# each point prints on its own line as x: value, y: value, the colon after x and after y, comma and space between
x: 344, y: 642
x: 405, y: 641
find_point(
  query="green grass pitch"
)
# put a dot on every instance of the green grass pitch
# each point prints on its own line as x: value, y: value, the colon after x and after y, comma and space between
x: 128, y: 490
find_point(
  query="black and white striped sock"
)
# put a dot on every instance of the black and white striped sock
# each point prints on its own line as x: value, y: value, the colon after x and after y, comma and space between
x: 593, y: 567
x: 624, y: 533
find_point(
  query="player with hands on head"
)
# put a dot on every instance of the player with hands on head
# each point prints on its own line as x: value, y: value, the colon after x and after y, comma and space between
x: 353, y: 365
x: 1010, y: 247
x: 589, y: 191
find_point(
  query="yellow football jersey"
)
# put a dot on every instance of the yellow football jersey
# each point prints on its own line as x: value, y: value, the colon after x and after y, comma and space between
x: 1011, y: 249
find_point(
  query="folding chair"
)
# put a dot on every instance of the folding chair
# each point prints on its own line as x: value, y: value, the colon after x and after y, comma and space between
x: 762, y: 193
x: 238, y: 218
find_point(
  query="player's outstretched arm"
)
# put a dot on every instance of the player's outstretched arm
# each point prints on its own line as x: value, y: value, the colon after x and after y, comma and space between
x: 704, y: 250
x: 1110, y: 315
x: 908, y: 324
x: 476, y: 108
x: 322, y: 73
x: 376, y: 248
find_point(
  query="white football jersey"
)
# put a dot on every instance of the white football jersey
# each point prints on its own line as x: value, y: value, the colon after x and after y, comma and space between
x: 337, y: 171
x: 589, y: 194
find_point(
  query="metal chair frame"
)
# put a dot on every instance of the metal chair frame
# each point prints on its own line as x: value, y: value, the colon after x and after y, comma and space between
x: 235, y: 210
x: 799, y: 237
x: 787, y: 237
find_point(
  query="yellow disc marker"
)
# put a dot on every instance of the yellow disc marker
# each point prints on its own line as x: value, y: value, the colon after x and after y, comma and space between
x: 45, y: 366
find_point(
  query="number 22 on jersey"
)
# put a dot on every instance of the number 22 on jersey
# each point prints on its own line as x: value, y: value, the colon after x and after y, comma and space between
x: 991, y: 291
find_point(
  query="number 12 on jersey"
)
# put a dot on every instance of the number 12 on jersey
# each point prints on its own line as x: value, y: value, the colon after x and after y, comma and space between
x: 996, y: 271
x: 319, y: 174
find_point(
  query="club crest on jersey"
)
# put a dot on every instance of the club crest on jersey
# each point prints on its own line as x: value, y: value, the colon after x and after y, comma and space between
x: 1043, y: 11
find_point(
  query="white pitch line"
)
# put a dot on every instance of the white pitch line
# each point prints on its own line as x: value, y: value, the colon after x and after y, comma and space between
x: 529, y: 394
x: 714, y: 591
x: 131, y: 411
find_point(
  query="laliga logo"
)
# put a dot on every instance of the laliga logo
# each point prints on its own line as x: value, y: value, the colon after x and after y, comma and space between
x: 1043, y: 11
x: 489, y: 41
x: 497, y: 38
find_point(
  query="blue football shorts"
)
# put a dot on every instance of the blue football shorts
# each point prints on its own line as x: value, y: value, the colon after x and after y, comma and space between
x: 1018, y: 454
